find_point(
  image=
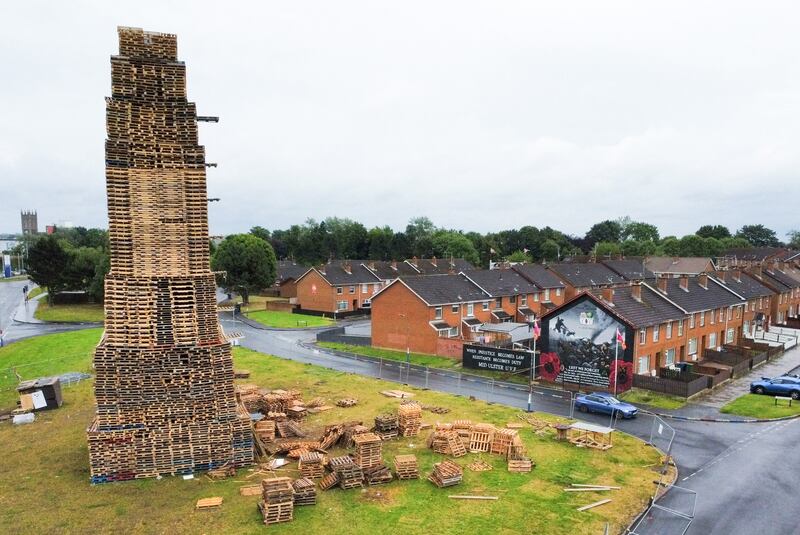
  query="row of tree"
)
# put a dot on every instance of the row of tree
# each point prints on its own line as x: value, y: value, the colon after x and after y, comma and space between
x: 338, y: 238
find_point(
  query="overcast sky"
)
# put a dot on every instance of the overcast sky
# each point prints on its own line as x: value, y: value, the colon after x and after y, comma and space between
x: 480, y: 115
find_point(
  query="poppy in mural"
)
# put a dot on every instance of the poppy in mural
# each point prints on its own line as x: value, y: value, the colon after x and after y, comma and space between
x: 550, y: 366
x: 622, y: 375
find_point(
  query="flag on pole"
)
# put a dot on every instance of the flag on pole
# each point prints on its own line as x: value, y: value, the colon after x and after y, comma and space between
x: 492, y: 251
x: 621, y: 340
x: 537, y: 330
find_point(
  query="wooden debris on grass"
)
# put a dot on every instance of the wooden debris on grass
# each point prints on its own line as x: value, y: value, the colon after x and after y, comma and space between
x: 250, y: 490
x: 592, y: 505
x: 304, y: 492
x: 402, y: 394
x: 222, y: 472
x: 467, y: 497
x: 329, y: 481
x: 409, y: 418
x: 289, y: 429
x: 446, y: 474
x: 310, y: 465
x: 436, y: 410
x: 377, y: 475
x: 479, y: 465
x: 480, y: 438
x: 520, y: 465
x: 208, y: 503
x: 241, y: 374
x: 346, y: 402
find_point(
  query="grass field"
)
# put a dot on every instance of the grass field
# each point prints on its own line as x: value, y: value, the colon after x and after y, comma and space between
x: 287, y: 320
x: 14, y: 279
x: 654, y: 399
x: 755, y: 406
x: 45, y: 475
x: 423, y: 359
x: 85, y: 312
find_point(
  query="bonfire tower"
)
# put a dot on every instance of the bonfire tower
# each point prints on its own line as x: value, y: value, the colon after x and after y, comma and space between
x: 164, y: 373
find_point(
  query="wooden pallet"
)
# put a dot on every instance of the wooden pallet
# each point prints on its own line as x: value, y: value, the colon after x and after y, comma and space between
x: 305, y: 493
x: 480, y: 438
x: 209, y: 503
x: 310, y: 465
x: 329, y: 481
x: 409, y: 419
x: 501, y: 441
x: 446, y: 474
x: 520, y: 465
x: 368, y: 450
x: 406, y: 467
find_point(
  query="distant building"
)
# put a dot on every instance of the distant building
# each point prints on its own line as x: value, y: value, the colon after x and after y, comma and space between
x: 30, y: 223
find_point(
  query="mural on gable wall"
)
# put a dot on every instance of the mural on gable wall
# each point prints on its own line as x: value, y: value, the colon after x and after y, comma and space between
x: 579, y: 345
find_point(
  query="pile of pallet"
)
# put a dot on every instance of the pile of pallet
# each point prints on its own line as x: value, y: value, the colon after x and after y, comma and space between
x: 446, y: 442
x: 163, y: 370
x: 304, y: 492
x: 378, y: 474
x: 406, y: 467
x: 265, y: 430
x: 277, y: 504
x: 368, y: 450
x: 346, y: 402
x: 386, y: 426
x: 501, y: 441
x: 351, y: 432
x: 409, y: 418
x: 446, y: 474
x: 480, y: 438
x: 310, y: 465
x: 348, y: 474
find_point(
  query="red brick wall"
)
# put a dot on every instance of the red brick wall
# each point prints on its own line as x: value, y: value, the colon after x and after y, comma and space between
x: 657, y: 350
x: 392, y: 331
x: 322, y: 299
x: 288, y: 289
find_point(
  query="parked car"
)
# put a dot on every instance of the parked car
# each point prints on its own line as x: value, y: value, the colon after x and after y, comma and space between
x: 604, y: 403
x: 779, y: 386
x: 796, y: 376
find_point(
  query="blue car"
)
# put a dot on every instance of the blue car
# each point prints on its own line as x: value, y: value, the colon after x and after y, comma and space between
x: 780, y: 386
x: 604, y: 403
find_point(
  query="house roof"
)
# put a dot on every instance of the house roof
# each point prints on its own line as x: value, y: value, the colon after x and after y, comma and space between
x: 288, y: 269
x: 696, y: 298
x: 386, y: 270
x: 444, y: 289
x: 789, y: 277
x: 652, y: 309
x: 501, y: 282
x: 678, y: 265
x: 336, y: 274
x: 539, y: 275
x: 747, y: 286
x: 439, y: 266
x: 629, y: 268
x: 588, y: 274
x: 757, y: 254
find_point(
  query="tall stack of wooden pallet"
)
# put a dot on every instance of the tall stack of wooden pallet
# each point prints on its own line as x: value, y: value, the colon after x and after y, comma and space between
x: 409, y: 419
x: 310, y: 465
x: 305, y: 493
x: 386, y: 426
x: 406, y: 467
x: 368, y: 450
x: 278, y: 500
x: 163, y: 370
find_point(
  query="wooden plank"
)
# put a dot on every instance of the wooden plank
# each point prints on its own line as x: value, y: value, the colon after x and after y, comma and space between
x: 207, y: 503
x: 594, y: 486
x: 592, y: 505
x: 465, y: 497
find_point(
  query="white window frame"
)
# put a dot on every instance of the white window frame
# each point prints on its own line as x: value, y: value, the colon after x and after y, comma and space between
x: 470, y: 310
x: 713, y: 315
x: 680, y: 328
x: 712, y: 340
x: 536, y: 297
x: 547, y: 295
x: 667, y: 360
x: 485, y: 305
x: 689, y: 349
x: 703, y: 319
x: 669, y: 330
x: 342, y: 305
x: 642, y: 336
x: 512, y: 299
x: 454, y: 309
x: 656, y: 332
x: 729, y: 335
x: 437, y: 313
x: 558, y: 292
x: 453, y: 332
x: 339, y: 290
x: 498, y: 303
x: 643, y: 370
x: 365, y: 288
x: 352, y: 289
x: 524, y: 300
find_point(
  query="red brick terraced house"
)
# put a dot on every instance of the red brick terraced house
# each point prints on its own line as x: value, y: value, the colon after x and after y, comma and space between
x: 757, y: 310
x: 422, y: 313
x: 678, y: 266
x: 714, y: 313
x: 287, y: 274
x: 512, y: 294
x: 341, y: 288
x: 785, y: 282
x: 582, y: 277
x: 551, y: 288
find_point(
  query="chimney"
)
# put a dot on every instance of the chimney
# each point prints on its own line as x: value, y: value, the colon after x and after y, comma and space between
x: 608, y: 295
x: 722, y: 275
x: 394, y: 265
x: 702, y: 280
x: 782, y: 265
x: 433, y: 261
x: 736, y: 275
x: 348, y: 268
x: 662, y: 283
x: 636, y: 291
x: 756, y: 271
x: 371, y: 265
x: 684, y: 283
x: 414, y: 261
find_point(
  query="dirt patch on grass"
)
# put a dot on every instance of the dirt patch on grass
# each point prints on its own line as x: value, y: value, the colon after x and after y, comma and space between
x: 382, y: 496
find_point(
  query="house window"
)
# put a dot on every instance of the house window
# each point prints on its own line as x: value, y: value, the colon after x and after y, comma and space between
x: 713, y: 314
x: 536, y: 297
x: 721, y: 315
x: 738, y: 312
x: 702, y: 319
x: 656, y: 332
x: 729, y: 336
x: 669, y: 330
x: 712, y: 340
x: 498, y: 303
x: 454, y: 309
x: 644, y: 365
x: 746, y: 328
x: 364, y: 288
x: 470, y: 310
x: 558, y: 292
x: 339, y: 290
x: 352, y: 289
x: 730, y: 313
x: 512, y: 299
x: 692, y: 346
x: 453, y: 332
x: 547, y: 295
x: 437, y: 313
x: 524, y: 300
x: 642, y: 336
x: 669, y: 357
x: 485, y: 305
x: 341, y: 305
x: 680, y: 327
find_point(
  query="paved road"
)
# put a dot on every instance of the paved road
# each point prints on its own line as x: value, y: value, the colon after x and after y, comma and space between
x: 743, y: 474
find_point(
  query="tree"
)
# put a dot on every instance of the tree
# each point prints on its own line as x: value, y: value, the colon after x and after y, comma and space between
x: 248, y: 262
x: 448, y: 244
x: 671, y: 246
x: 714, y: 231
x: 401, y: 247
x: 692, y: 245
x: 47, y: 263
x: 550, y: 250
x: 605, y: 231
x: 638, y: 231
x: 85, y: 271
x: 794, y: 239
x: 519, y: 256
x: 260, y: 232
x: 420, y: 233
x: 759, y: 236
x: 380, y: 243
x: 606, y: 249
x: 735, y: 243
x: 639, y: 248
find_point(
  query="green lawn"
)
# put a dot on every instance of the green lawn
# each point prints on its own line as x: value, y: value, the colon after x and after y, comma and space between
x: 653, y: 399
x: 45, y: 474
x: 83, y: 312
x: 755, y: 406
x: 14, y: 279
x: 45, y: 355
x: 287, y: 320
x: 423, y: 359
